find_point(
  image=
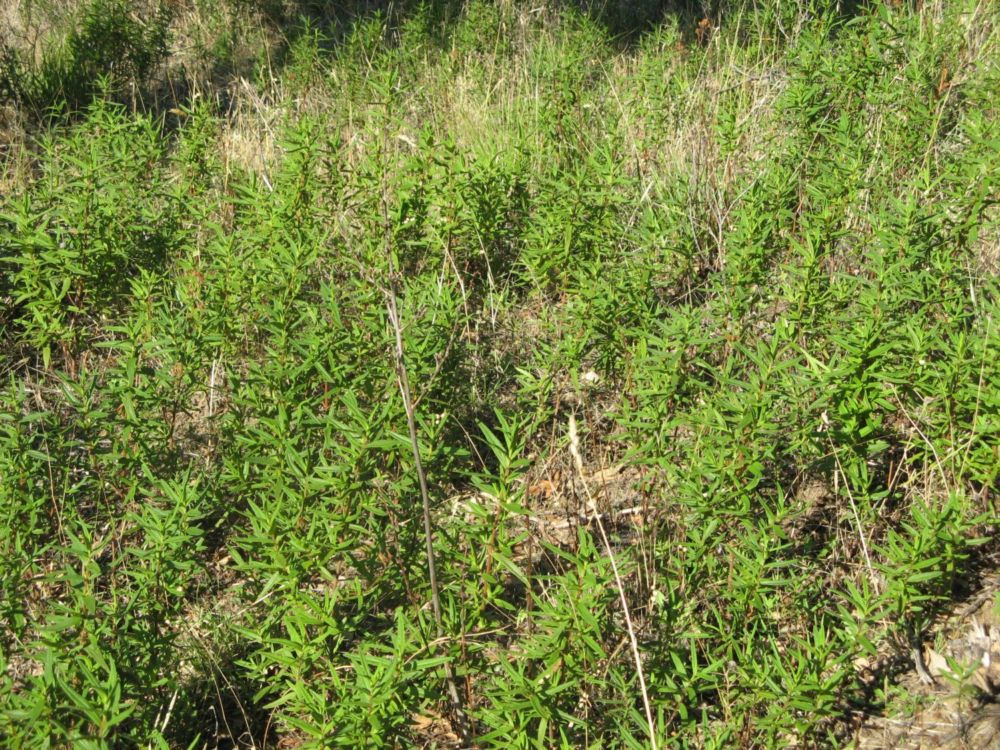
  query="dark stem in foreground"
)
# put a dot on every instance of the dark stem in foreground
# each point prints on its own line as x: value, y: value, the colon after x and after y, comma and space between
x: 403, y: 380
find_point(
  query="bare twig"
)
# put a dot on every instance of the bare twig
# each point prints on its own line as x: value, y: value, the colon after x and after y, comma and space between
x: 574, y: 449
x: 403, y: 381
x: 876, y: 583
x: 212, y: 389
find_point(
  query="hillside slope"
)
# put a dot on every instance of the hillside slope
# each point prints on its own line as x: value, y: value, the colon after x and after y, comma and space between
x: 684, y: 324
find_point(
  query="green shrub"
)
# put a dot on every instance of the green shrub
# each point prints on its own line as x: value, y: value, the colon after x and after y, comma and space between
x: 749, y: 266
x: 111, y: 47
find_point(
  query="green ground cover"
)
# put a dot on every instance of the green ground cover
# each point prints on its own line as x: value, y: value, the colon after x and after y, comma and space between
x: 710, y: 292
